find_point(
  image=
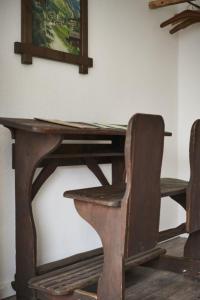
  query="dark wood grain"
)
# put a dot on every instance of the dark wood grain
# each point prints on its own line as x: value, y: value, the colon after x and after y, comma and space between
x: 183, y: 20
x: 45, y: 173
x: 149, y: 284
x: 32, y: 148
x: 93, y: 165
x: 192, y: 247
x: 44, y: 127
x: 65, y: 281
x: 118, y: 164
x: 193, y: 192
x: 82, y: 154
x: 34, y: 51
x: 143, y: 156
x: 28, y: 50
x: 112, y: 195
x: 140, y: 200
x: 119, y: 226
x: 83, y: 68
x: 35, y: 136
x: 162, y: 3
x: 154, y: 285
x: 26, y: 32
x: 172, y: 186
x: 43, y: 269
x: 173, y: 232
x: 106, y: 195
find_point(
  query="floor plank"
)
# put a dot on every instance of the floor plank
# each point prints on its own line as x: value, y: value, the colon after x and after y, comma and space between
x: 148, y: 284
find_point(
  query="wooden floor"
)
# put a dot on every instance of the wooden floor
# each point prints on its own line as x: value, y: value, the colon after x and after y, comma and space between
x: 148, y: 284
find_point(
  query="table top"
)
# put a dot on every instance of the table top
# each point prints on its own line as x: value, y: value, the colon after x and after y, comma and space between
x: 37, y: 126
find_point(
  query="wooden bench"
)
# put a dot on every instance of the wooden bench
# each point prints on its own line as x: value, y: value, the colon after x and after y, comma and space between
x: 123, y: 224
x: 84, y: 273
x: 127, y: 220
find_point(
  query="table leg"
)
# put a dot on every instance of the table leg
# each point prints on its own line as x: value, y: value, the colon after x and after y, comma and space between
x: 118, y: 171
x: 30, y: 149
x: 118, y: 163
x: 192, y: 246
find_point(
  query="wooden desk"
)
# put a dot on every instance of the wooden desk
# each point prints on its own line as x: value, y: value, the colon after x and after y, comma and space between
x: 39, y: 144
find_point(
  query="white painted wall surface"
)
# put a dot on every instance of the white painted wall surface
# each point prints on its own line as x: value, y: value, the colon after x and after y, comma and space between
x: 135, y: 70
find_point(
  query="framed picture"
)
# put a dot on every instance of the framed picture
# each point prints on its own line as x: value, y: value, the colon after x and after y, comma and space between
x: 55, y: 29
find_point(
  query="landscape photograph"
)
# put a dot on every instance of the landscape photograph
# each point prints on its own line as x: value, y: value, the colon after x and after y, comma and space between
x: 56, y: 25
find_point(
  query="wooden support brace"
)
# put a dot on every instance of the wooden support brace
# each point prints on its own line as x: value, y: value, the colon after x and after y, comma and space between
x: 170, y: 233
x: 72, y: 277
x: 96, y: 170
x: 42, y: 177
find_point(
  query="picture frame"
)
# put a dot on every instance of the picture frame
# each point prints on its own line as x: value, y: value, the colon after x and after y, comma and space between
x: 57, y: 41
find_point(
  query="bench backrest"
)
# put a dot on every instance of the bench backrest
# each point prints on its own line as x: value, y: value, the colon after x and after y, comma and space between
x: 141, y: 205
x: 193, y: 190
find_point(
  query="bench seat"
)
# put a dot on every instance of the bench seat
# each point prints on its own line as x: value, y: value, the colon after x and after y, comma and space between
x: 84, y: 273
x: 112, y: 195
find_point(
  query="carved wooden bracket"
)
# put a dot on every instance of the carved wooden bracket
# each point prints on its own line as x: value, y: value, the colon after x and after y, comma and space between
x: 181, y: 20
x: 162, y: 3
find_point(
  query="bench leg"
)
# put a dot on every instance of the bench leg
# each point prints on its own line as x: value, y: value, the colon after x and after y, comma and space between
x: 107, y: 222
x: 111, y: 282
x: 192, y: 246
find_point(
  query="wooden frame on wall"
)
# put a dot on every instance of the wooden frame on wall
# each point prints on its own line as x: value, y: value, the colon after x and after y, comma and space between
x: 28, y: 49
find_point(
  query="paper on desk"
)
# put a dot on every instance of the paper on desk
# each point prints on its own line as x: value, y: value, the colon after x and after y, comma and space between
x: 83, y: 124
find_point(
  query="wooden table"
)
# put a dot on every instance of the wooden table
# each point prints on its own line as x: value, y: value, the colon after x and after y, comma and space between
x: 39, y: 144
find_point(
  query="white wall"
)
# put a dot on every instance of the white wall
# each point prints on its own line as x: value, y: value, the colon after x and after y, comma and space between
x: 188, y: 95
x: 135, y: 70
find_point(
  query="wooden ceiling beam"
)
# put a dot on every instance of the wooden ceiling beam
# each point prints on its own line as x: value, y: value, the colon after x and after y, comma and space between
x: 162, y: 3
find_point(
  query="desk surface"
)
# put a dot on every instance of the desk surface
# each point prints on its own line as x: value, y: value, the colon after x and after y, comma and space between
x: 36, y: 126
